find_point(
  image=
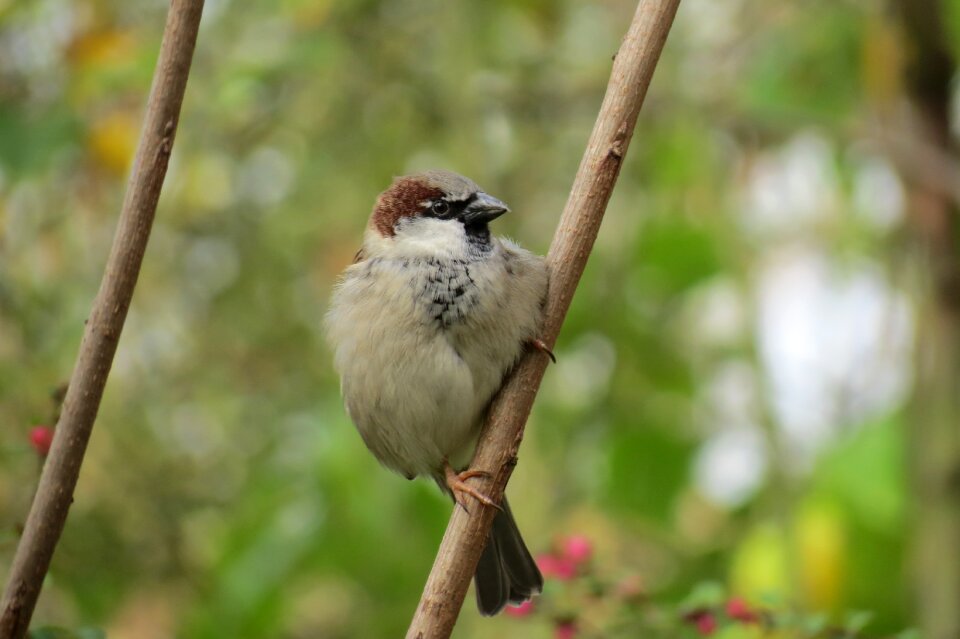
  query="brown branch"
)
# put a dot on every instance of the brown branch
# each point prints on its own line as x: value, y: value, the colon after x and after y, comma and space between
x: 497, y: 450
x: 48, y: 512
x: 923, y: 162
x: 933, y: 433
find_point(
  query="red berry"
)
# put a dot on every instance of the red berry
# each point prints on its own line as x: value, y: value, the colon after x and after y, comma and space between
x: 522, y: 610
x: 577, y: 549
x: 706, y: 624
x: 738, y: 609
x: 565, y: 630
x: 40, y: 438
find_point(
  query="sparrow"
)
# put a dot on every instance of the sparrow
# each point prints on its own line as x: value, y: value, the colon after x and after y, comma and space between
x: 424, y: 325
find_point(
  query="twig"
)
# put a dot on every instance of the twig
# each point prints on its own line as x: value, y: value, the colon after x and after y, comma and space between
x: 48, y: 512
x: 919, y: 158
x: 497, y: 450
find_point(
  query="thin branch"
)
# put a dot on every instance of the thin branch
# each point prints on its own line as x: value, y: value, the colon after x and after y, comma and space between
x: 466, y: 533
x: 933, y: 430
x: 920, y: 159
x: 48, y: 512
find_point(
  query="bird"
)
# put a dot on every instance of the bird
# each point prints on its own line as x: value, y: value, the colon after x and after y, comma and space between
x: 424, y: 325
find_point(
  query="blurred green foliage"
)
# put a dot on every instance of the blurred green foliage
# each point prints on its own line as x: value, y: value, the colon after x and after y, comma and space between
x: 225, y: 493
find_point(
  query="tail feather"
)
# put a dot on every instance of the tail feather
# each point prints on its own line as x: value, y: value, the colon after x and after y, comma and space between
x: 491, y: 581
x: 506, y: 572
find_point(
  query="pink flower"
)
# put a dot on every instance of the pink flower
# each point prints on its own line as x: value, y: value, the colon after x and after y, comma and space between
x: 40, y: 438
x: 522, y: 610
x: 738, y: 609
x: 706, y: 624
x: 565, y: 630
x: 577, y: 548
x: 560, y: 568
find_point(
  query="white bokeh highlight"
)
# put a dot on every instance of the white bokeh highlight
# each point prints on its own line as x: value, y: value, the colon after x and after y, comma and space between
x: 833, y: 335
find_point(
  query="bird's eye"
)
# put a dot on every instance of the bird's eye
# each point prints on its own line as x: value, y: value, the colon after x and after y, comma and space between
x: 440, y: 207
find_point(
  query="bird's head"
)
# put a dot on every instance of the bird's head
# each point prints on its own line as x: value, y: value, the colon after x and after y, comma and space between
x: 434, y: 206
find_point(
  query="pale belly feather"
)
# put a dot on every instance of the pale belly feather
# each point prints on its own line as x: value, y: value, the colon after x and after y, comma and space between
x: 421, y: 350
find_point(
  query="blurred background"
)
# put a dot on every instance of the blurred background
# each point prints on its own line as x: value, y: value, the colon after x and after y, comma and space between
x: 757, y: 397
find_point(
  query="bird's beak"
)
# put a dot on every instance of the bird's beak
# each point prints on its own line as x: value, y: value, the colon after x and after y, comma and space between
x: 483, y: 208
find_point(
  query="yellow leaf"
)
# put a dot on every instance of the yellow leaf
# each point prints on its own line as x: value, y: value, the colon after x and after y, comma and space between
x: 821, y: 540
x: 112, y: 141
x: 760, y: 566
x: 101, y: 47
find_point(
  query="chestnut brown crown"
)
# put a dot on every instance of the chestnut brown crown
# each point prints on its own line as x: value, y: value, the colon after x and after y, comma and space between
x: 438, y: 194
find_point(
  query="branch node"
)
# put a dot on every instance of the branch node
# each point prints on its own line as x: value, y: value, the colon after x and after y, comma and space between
x: 166, y: 143
x: 618, y: 145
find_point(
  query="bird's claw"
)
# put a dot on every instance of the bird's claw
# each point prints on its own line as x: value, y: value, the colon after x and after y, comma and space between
x: 457, y: 483
x: 541, y: 346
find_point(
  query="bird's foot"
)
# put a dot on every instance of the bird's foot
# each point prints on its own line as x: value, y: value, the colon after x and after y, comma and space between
x: 457, y: 483
x: 541, y: 346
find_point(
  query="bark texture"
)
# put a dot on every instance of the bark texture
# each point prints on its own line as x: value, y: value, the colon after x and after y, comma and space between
x: 48, y: 513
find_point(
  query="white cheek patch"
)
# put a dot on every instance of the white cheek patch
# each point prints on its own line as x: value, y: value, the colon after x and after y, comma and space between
x: 429, y: 237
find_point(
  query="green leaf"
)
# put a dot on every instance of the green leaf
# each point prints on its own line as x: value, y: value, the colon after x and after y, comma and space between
x: 814, y: 624
x: 648, y: 469
x: 856, y: 621
x: 705, y: 595
x: 677, y: 253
